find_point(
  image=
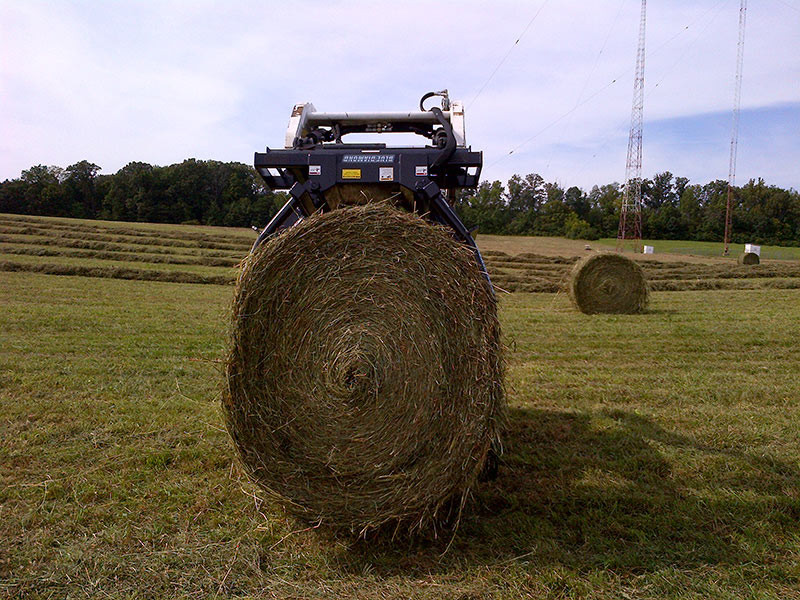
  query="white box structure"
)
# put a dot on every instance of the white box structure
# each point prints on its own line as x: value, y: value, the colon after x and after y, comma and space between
x: 648, y: 250
x: 752, y: 248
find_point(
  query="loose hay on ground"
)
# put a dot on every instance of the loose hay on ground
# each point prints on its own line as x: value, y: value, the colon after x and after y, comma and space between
x: 608, y: 283
x: 364, y: 380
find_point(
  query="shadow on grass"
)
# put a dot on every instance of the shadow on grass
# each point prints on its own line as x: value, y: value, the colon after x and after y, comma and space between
x: 608, y: 490
x: 660, y: 311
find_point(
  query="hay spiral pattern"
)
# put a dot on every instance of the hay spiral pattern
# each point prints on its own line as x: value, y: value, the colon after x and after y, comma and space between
x: 364, y: 379
x: 608, y: 283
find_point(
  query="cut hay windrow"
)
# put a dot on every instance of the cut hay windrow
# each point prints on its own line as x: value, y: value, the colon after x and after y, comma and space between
x: 117, y: 247
x: 522, y: 278
x: 529, y: 263
x: 122, y: 238
x: 651, y: 265
x: 542, y: 258
x: 116, y: 273
x: 208, y: 261
x: 557, y: 272
x: 748, y: 258
x: 511, y: 264
x: 608, y: 283
x: 538, y: 287
x: 126, y: 229
x: 780, y: 283
x: 730, y: 272
x: 364, y: 379
x: 725, y: 284
x: 532, y: 271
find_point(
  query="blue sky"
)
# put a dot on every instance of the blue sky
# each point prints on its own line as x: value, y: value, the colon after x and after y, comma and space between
x: 158, y: 82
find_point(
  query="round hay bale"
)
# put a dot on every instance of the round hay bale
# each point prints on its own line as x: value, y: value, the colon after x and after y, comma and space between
x: 748, y: 258
x: 364, y: 378
x: 608, y: 283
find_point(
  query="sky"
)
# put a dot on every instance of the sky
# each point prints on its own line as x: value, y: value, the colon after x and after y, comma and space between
x: 550, y: 80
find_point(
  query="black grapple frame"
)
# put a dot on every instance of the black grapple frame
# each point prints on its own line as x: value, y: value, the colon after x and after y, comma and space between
x: 323, y: 173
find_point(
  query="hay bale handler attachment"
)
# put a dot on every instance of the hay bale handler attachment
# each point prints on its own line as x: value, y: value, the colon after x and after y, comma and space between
x: 323, y: 173
x: 400, y: 416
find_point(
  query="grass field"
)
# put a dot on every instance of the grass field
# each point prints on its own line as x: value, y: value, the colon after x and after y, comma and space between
x: 647, y: 456
x: 711, y: 249
x: 688, y: 251
x: 196, y: 254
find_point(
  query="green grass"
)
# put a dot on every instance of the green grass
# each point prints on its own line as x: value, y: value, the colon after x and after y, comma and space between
x: 648, y: 456
x: 711, y: 249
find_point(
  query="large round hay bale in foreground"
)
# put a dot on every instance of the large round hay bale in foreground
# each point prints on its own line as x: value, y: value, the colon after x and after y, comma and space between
x: 364, y: 380
x: 608, y: 283
x: 748, y: 258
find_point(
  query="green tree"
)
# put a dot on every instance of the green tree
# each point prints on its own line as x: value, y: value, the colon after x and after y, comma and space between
x: 43, y: 194
x: 80, y: 191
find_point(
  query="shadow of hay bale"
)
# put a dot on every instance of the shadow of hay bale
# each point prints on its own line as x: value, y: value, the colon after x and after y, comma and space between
x: 576, y: 495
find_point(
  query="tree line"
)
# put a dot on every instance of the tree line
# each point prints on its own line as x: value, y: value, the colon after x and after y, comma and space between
x: 230, y: 193
x: 672, y: 208
x: 201, y: 192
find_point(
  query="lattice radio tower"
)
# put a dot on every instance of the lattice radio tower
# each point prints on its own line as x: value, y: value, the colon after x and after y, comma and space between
x: 737, y: 100
x: 630, y: 216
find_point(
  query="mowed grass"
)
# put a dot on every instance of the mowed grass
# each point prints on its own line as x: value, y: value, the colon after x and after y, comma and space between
x: 710, y: 249
x: 56, y: 224
x: 647, y: 456
x: 194, y: 254
x: 686, y: 250
x: 80, y: 261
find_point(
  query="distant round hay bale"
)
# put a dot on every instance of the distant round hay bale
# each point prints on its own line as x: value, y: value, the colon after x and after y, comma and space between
x: 608, y: 283
x: 748, y: 258
x: 364, y: 379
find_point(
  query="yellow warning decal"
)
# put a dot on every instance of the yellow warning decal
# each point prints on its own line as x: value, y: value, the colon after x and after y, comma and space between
x: 351, y: 173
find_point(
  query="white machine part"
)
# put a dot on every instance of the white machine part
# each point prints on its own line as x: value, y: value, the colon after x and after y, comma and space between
x: 305, y: 117
x: 297, y: 122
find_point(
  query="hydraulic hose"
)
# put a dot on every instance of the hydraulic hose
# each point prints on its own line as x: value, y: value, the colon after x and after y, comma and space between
x: 450, y: 147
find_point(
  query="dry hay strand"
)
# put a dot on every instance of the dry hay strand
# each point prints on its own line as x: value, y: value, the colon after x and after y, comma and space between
x: 748, y: 258
x: 364, y: 379
x: 608, y: 283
